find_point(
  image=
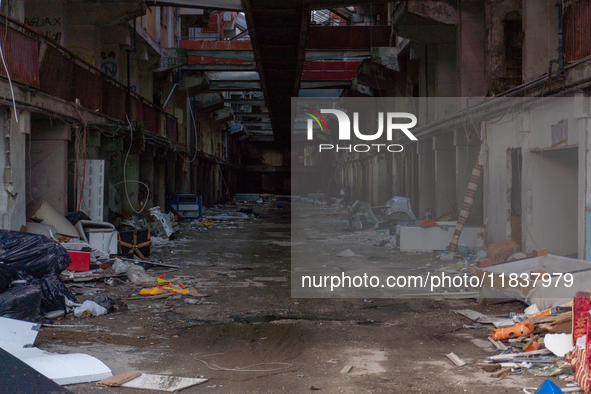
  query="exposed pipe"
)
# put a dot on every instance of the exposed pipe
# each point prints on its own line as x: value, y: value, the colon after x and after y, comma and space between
x: 171, y: 92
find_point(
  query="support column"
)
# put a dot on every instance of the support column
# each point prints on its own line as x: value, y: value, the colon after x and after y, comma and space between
x: 111, y: 151
x: 12, y: 166
x: 471, y: 40
x: 159, y: 186
x: 132, y: 173
x: 48, y: 167
x: 445, y: 174
x: 584, y: 229
x: 426, y: 175
x: 147, y: 176
x: 540, y: 25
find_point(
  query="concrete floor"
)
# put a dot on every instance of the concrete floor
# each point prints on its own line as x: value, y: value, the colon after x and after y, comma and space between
x: 394, y: 345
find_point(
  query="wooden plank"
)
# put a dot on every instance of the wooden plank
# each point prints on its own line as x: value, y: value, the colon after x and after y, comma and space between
x: 551, y: 318
x: 501, y: 373
x: 346, y: 369
x: 498, y: 344
x: 455, y: 359
x: 119, y: 379
x: 509, y: 357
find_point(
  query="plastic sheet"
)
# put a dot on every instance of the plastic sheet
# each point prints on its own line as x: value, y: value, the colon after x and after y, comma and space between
x: 120, y: 267
x: 89, y: 307
x: 549, y: 387
x: 34, y: 254
x: 138, y: 276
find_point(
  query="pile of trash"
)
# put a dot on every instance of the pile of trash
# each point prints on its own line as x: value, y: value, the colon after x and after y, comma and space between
x: 30, y: 283
x: 547, y: 343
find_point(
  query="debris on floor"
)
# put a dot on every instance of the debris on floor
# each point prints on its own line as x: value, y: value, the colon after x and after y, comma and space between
x: 162, y: 382
x: 549, y: 343
x: 17, y: 338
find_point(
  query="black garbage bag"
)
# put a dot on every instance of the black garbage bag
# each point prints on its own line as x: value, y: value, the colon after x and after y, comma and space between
x: 7, y: 275
x: 53, y: 294
x: 21, y: 303
x: 76, y: 216
x: 35, y: 254
x: 53, y: 291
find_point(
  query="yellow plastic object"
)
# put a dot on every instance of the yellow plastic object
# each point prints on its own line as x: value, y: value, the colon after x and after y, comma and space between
x: 180, y: 291
x: 206, y: 222
x: 153, y: 291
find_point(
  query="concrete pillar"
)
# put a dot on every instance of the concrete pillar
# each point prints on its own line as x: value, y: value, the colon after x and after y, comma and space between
x: 583, y: 115
x: 445, y: 174
x: 132, y: 174
x: 12, y: 167
x: 146, y: 175
x: 585, y: 245
x: 426, y: 175
x: 159, y: 185
x: 48, y: 167
x: 466, y: 154
x: 111, y: 151
x: 471, y: 44
x: 540, y: 25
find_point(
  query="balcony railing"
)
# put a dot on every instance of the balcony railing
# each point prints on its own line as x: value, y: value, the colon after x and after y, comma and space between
x: 37, y: 61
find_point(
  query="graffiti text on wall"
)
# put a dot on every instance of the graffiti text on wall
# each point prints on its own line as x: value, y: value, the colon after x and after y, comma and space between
x: 109, y: 63
x: 52, y: 25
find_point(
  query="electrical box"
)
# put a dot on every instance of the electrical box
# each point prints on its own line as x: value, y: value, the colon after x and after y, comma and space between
x: 188, y: 205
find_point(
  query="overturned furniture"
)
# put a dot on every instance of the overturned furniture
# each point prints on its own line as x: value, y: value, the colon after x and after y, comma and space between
x: 135, y: 242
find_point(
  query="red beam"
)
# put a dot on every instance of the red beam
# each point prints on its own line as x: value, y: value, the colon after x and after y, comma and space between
x: 327, y: 70
x: 215, y: 45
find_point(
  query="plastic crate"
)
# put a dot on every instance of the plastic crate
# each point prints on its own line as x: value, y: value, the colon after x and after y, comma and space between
x: 80, y: 261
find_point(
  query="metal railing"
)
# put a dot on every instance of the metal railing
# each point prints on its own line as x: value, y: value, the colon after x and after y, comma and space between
x: 39, y: 62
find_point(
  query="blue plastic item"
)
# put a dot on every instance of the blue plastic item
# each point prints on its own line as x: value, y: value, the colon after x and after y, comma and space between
x: 188, y: 205
x: 549, y: 387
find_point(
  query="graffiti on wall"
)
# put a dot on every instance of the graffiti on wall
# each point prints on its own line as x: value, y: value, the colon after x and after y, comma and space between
x: 49, y: 26
x: 109, y: 63
x: 83, y: 53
